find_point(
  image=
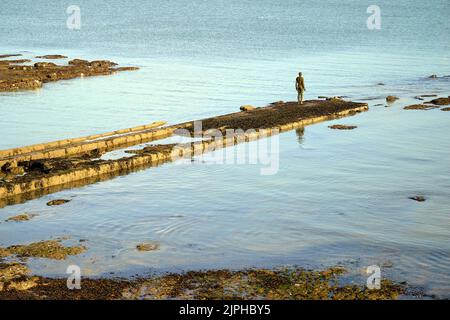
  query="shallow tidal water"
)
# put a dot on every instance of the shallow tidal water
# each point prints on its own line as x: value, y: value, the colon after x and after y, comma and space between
x: 337, y: 197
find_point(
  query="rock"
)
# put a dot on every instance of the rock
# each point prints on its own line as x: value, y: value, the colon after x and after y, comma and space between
x: 2, y: 56
x: 51, y: 56
x: 342, y: 127
x: 380, y: 84
x: 21, y: 217
x: 378, y: 105
x: 50, y: 249
x: 19, y: 77
x: 433, y: 76
x: 247, y: 108
x: 420, y: 107
x: 102, y: 64
x: 17, y: 170
x: 333, y: 99
x: 322, y: 97
x: 78, y: 62
x: 8, y: 62
x: 41, y: 65
x: 23, y: 285
x: 418, y: 198
x: 391, y: 98
x: 147, y: 247
x: 428, y: 95
x: 418, y: 98
x: 21, y: 68
x: 57, y: 202
x: 441, y: 101
x: 445, y: 109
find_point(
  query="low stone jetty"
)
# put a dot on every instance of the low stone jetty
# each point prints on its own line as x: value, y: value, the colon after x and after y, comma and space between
x: 31, y: 171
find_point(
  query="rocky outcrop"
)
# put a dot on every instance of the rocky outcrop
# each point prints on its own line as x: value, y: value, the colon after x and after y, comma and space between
x: 391, y: 99
x: 2, y: 56
x: 14, y: 76
x: 420, y: 107
x: 441, y: 101
x: 51, y: 56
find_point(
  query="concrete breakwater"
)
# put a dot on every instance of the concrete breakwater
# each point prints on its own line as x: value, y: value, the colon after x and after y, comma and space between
x: 39, y: 169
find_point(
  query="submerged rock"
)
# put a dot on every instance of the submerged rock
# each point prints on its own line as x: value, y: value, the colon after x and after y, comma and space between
x: 428, y: 95
x: 57, y: 202
x: 418, y: 198
x: 441, y: 101
x: 433, y: 76
x: 21, y: 217
x: 147, y: 247
x: 52, y: 56
x: 391, y: 98
x: 419, y: 107
x: 2, y: 56
x: 342, y: 127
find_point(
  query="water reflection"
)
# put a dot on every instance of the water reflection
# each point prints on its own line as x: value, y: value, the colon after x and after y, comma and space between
x: 300, y: 132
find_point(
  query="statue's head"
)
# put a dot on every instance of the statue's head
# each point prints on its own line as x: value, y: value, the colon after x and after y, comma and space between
x: 300, y: 74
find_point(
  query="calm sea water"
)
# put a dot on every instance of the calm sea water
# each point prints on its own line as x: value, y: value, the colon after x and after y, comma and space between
x: 338, y: 197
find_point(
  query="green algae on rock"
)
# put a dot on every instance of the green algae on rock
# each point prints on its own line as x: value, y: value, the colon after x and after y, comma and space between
x: 21, y: 217
x: 147, y: 247
x: 287, y: 284
x: 50, y: 249
x: 57, y: 202
x: 283, y: 284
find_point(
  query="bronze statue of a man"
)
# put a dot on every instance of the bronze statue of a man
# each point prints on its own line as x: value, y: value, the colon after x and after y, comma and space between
x: 300, y: 87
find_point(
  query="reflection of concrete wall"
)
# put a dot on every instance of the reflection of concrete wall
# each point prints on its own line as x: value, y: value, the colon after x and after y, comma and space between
x: 94, y: 171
